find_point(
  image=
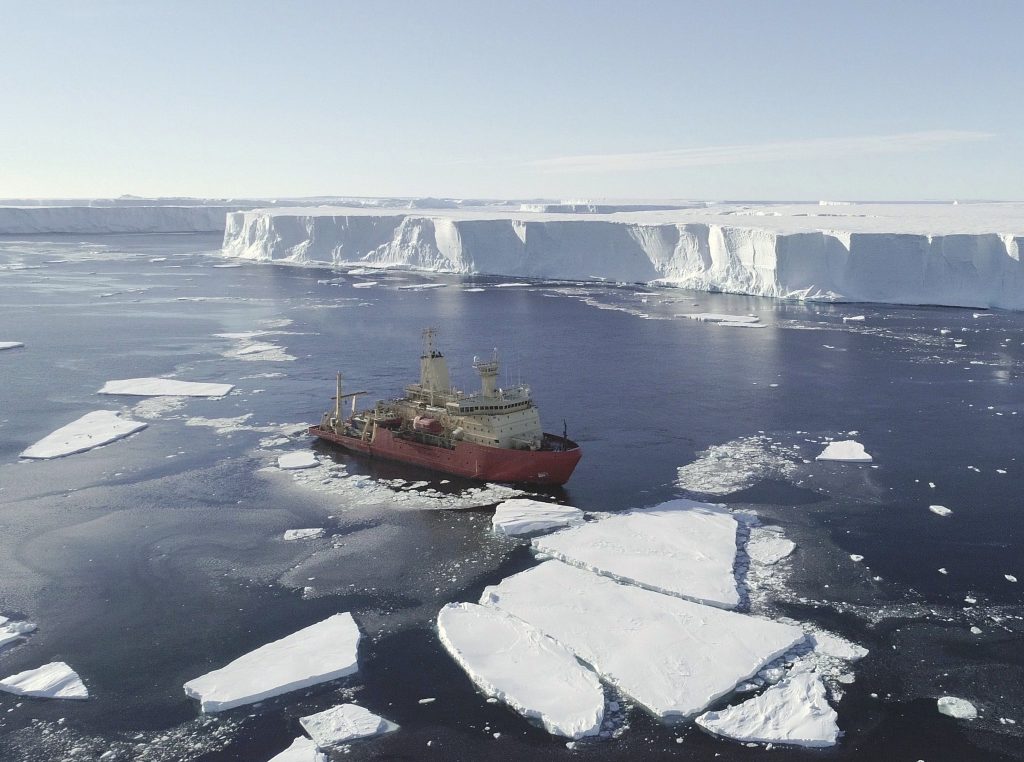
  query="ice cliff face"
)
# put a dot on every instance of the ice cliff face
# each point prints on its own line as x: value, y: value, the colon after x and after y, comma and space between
x: 974, y: 270
x: 27, y: 220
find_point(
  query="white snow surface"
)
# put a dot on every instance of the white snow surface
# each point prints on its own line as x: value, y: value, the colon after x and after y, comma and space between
x: 92, y: 430
x: 961, y: 709
x: 344, y: 722
x: 164, y: 387
x: 794, y: 711
x: 516, y: 663
x: 671, y: 655
x: 54, y: 680
x: 524, y: 516
x: 301, y: 750
x: 298, y: 459
x: 681, y: 547
x: 315, y: 654
x: 10, y: 344
x: 963, y: 255
x: 847, y: 451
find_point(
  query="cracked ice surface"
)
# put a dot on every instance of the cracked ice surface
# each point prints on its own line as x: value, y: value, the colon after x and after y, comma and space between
x: 516, y: 663
x: 671, y: 655
x: 681, y: 547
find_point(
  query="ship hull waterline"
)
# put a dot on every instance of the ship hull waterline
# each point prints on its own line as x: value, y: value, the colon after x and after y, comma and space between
x: 466, y: 459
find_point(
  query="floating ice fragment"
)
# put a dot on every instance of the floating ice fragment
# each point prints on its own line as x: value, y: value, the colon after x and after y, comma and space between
x: 304, y: 534
x: 856, y: 557
x: 511, y: 660
x: 854, y: 318
x: 315, y: 654
x: 345, y: 722
x: 301, y: 750
x: 976, y: 630
x: 300, y: 459
x: 827, y: 644
x: 940, y: 510
x: 92, y: 430
x: 10, y: 344
x: 1010, y: 578
x: 846, y: 451
x: 54, y: 680
x: 733, y: 321
x: 961, y: 709
x: 766, y: 547
x: 523, y: 516
x: 164, y: 387
x: 943, y: 570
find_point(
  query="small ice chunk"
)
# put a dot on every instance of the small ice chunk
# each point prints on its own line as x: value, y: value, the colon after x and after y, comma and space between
x: 846, y: 451
x: 734, y: 321
x: 976, y: 630
x: 515, y: 662
x: 54, y: 680
x: 344, y: 722
x: 854, y: 318
x: 794, y: 711
x: 301, y: 750
x: 10, y: 344
x: 827, y: 644
x: 856, y: 557
x: 164, y: 387
x: 92, y: 430
x: 940, y: 510
x: 961, y: 709
x: 767, y: 548
x: 523, y: 516
x: 1009, y: 578
x: 681, y: 547
x: 304, y: 534
x: 298, y: 459
x: 315, y: 654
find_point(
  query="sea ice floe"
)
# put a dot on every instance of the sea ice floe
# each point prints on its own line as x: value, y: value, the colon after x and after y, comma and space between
x: 10, y: 344
x: 736, y: 465
x: 734, y: 321
x: 304, y: 534
x: 671, y: 655
x: 846, y: 451
x: 940, y: 510
x: 794, y: 711
x: 961, y: 709
x: 511, y: 660
x: 299, y: 459
x: 524, y: 516
x: 681, y: 547
x: 768, y: 547
x: 315, y: 654
x: 92, y: 430
x: 827, y: 644
x: 164, y: 387
x: 301, y: 750
x: 342, y: 723
x: 55, y: 680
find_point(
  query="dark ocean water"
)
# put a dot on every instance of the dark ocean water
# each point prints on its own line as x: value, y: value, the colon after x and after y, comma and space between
x: 151, y: 561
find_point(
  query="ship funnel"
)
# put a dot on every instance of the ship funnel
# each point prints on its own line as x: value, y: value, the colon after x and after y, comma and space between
x: 488, y: 370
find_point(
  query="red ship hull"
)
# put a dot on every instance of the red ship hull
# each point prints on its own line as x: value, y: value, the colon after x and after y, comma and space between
x: 469, y: 460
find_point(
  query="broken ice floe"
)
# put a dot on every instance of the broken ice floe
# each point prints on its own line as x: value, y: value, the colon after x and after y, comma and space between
x: 671, y: 655
x: 940, y: 510
x: 736, y: 465
x: 961, y: 709
x: 12, y: 632
x: 312, y: 533
x: 55, y: 680
x: 516, y: 663
x: 847, y: 451
x: 92, y: 430
x: 164, y: 387
x: 295, y: 460
x: 156, y: 407
x: 681, y: 547
x: 794, y: 711
x: 342, y: 723
x: 301, y: 750
x: 315, y: 654
x: 10, y: 344
x: 521, y: 516
x: 767, y: 546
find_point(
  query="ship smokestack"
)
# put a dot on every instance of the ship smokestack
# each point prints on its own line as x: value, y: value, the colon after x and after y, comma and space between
x: 488, y: 370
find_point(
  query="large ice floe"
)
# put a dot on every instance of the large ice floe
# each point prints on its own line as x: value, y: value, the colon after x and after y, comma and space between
x: 965, y: 255
x: 670, y: 655
x: 794, y: 711
x: 510, y: 660
x: 164, y: 387
x: 315, y: 654
x: 343, y: 723
x: 522, y: 516
x: 92, y: 430
x: 681, y: 547
x: 301, y: 750
x: 55, y: 680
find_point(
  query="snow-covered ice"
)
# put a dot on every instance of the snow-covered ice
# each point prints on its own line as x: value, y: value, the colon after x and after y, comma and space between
x: 961, y: 709
x: 55, y: 680
x: 767, y: 547
x: 513, y: 661
x: 344, y: 722
x: 681, y: 547
x: 940, y: 510
x: 315, y: 654
x: 827, y: 644
x: 301, y: 750
x: 92, y: 430
x: 10, y: 344
x: 524, y: 516
x: 304, y: 534
x: 794, y: 711
x: 671, y: 655
x: 846, y: 451
x: 164, y: 387
x: 298, y: 459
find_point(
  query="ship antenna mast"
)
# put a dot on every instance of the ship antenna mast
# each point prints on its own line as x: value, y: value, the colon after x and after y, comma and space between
x: 337, y: 399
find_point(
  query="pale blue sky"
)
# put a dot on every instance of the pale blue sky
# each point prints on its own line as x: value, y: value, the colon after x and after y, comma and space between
x: 751, y: 100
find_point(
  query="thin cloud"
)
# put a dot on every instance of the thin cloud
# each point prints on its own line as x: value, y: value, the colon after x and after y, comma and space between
x: 790, y: 150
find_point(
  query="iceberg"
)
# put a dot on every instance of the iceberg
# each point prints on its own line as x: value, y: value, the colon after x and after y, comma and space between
x: 55, y: 680
x: 847, y: 451
x: 345, y: 722
x: 315, y: 654
x: 671, y: 655
x: 92, y: 430
x: 524, y: 516
x: 514, y: 662
x: 793, y: 711
x: 301, y: 750
x: 681, y: 547
x: 164, y: 387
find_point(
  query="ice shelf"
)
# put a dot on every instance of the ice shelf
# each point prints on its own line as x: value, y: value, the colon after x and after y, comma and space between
x: 516, y: 663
